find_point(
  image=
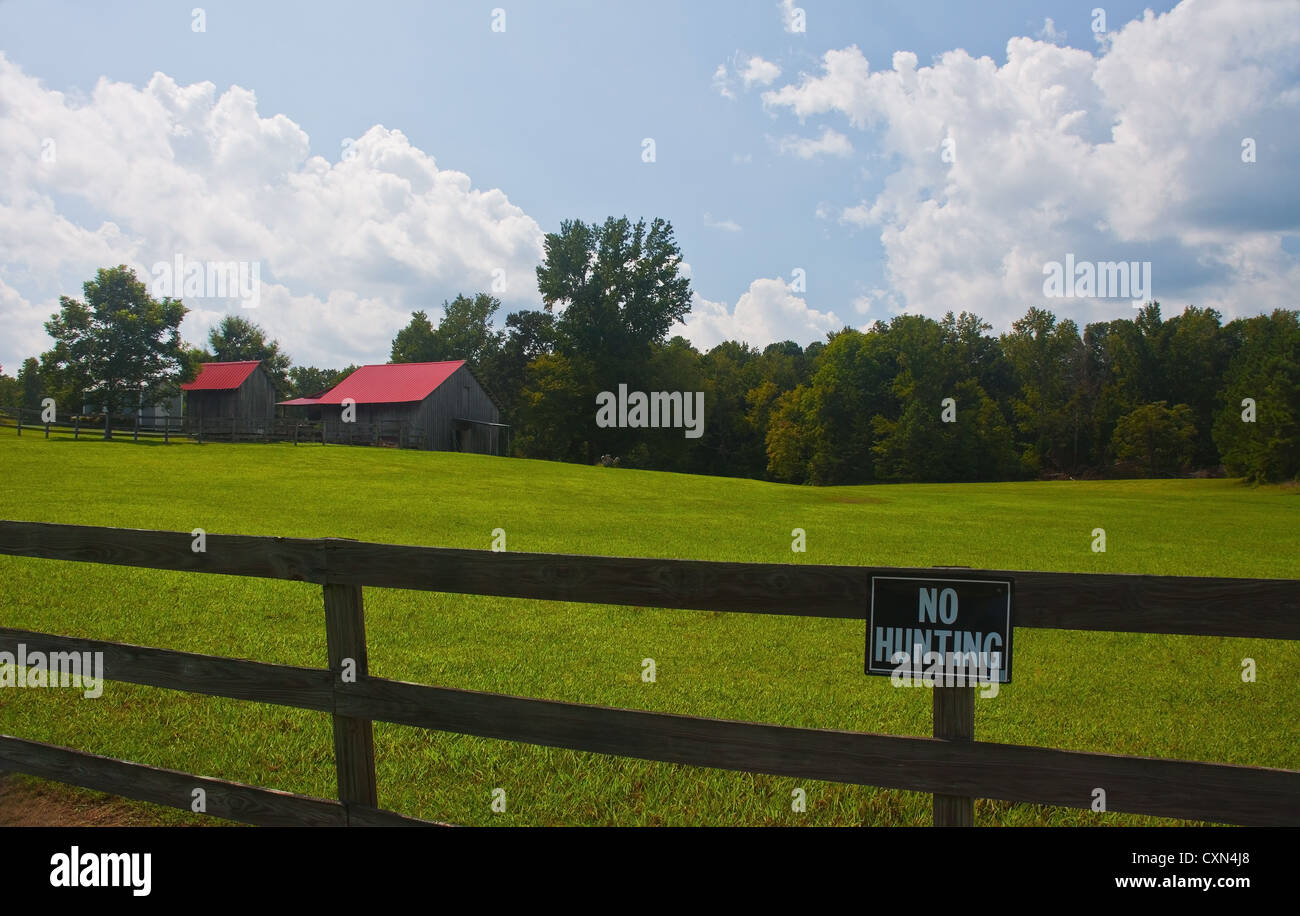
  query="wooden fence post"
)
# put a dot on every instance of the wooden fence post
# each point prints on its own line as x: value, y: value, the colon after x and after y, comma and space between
x: 354, y: 742
x: 954, y: 719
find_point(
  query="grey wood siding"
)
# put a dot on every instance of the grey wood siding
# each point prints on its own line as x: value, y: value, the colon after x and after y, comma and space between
x: 253, y: 400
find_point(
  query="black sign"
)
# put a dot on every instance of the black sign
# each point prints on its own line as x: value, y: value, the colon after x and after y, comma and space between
x: 949, y: 631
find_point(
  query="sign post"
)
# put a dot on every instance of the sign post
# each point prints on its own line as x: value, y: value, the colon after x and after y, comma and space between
x: 949, y: 633
x: 954, y: 719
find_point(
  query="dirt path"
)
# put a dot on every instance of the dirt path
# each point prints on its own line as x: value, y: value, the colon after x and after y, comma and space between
x: 31, y: 803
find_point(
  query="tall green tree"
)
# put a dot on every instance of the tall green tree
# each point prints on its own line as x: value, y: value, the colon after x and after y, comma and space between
x: 1159, y: 437
x: 415, y: 342
x: 789, y: 436
x: 975, y: 355
x: 1193, y: 356
x: 677, y: 366
x: 731, y: 445
x: 821, y: 431
x: 1132, y: 366
x: 948, y: 427
x: 308, y: 381
x: 465, y: 332
x: 1047, y: 357
x: 618, y: 289
x: 1257, y: 428
x: 10, y: 391
x: 529, y: 336
x: 31, y: 387
x: 556, y: 421
x: 619, y: 284
x: 121, y: 347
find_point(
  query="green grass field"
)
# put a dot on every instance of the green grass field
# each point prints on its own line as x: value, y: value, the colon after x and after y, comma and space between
x: 1151, y: 695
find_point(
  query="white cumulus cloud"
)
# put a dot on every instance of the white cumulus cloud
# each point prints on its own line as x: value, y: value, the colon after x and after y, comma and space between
x: 750, y: 70
x: 759, y: 72
x: 347, y: 246
x: 722, y: 82
x: 726, y: 225
x: 1049, y: 32
x: 830, y: 143
x: 769, y: 311
x: 1134, y: 153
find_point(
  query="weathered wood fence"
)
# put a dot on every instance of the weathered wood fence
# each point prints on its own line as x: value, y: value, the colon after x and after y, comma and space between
x: 955, y: 768
x: 391, y: 433
x: 25, y: 418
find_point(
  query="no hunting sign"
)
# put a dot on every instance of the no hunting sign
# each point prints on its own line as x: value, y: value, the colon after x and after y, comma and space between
x: 954, y: 632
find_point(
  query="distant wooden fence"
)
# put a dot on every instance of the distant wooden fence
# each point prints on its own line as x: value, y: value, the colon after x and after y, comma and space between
x: 33, y: 422
x: 955, y: 769
x: 391, y: 433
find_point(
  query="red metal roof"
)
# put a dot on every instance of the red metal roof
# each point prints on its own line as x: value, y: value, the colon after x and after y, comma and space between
x: 392, y: 383
x: 221, y: 376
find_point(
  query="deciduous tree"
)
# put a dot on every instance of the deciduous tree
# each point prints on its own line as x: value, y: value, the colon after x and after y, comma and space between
x: 121, y: 347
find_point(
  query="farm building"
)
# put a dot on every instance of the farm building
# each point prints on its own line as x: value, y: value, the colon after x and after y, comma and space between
x: 437, y: 406
x: 225, y: 391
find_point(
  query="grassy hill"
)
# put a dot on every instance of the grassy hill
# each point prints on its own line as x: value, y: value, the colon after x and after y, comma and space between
x: 1151, y: 695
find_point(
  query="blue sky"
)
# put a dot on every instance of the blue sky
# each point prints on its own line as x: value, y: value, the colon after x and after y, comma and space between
x: 552, y: 112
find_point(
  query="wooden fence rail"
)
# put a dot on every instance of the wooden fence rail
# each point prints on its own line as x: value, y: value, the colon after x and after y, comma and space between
x: 23, y: 418
x: 391, y: 433
x: 952, y: 766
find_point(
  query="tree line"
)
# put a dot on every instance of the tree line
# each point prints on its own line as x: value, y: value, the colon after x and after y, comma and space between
x: 910, y: 399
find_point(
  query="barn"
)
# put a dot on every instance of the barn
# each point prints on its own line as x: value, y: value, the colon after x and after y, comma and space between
x: 440, y: 406
x: 223, y: 391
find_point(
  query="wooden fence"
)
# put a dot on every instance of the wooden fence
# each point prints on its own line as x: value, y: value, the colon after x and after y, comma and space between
x: 33, y: 422
x: 391, y: 433
x: 955, y: 767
